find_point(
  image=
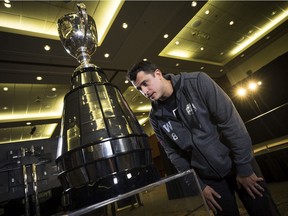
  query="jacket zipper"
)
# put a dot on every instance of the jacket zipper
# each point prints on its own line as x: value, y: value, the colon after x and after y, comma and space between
x: 187, y: 126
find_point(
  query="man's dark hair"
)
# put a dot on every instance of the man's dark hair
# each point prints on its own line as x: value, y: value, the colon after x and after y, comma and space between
x: 145, y: 66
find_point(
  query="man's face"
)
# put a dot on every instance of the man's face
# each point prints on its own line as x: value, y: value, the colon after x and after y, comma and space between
x: 149, y: 84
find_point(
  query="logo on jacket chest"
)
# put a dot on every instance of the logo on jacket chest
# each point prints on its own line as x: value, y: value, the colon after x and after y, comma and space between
x: 190, y: 108
x: 168, y: 127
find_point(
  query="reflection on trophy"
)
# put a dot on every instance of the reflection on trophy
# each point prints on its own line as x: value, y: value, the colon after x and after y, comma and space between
x: 102, y: 149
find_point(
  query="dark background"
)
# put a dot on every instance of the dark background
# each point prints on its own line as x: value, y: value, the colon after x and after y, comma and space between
x: 265, y: 112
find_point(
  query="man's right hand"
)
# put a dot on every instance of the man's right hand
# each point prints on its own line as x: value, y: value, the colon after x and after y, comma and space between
x: 209, y: 195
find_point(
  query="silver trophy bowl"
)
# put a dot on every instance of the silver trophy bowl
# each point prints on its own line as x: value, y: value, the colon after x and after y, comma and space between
x: 78, y: 34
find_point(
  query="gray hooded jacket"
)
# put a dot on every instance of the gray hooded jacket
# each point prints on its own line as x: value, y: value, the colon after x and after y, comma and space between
x: 208, y: 133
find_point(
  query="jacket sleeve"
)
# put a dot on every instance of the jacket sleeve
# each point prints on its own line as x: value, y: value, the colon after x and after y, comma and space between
x: 229, y: 123
x: 179, y: 158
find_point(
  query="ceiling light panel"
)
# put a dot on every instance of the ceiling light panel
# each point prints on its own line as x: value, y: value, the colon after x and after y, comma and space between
x: 26, y: 17
x: 31, y: 101
x: 213, y: 32
x: 21, y: 134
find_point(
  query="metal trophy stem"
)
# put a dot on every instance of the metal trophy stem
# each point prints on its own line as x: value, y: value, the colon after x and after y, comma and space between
x: 102, y: 149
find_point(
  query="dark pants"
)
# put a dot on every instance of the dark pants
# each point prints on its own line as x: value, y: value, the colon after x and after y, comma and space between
x: 261, y: 206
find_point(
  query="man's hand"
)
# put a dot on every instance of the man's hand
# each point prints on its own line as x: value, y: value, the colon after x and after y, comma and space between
x: 250, y: 183
x: 209, y: 194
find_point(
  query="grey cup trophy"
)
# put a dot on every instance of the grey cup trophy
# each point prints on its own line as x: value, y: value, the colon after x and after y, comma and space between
x: 78, y: 34
x: 100, y: 139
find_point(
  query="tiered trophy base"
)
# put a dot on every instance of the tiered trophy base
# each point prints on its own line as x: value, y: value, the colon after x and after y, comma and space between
x: 151, y: 199
x: 109, y: 187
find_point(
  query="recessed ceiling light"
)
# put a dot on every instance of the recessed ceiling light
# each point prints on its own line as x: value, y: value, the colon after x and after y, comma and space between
x: 5, y: 108
x: 39, y: 78
x: 166, y: 36
x: 222, y: 53
x: 177, y: 42
x: 124, y: 25
x: 202, y: 48
x: 7, y: 5
x: 231, y: 23
x: 207, y: 12
x: 126, y: 81
x: 106, y: 55
x: 194, y: 4
x: 47, y: 47
x: 177, y: 65
x: 202, y: 68
x: 53, y: 89
x: 5, y: 88
x: 221, y: 70
x: 145, y: 59
x: 28, y: 123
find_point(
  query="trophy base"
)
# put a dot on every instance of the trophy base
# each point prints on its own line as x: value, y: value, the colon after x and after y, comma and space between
x: 109, y: 187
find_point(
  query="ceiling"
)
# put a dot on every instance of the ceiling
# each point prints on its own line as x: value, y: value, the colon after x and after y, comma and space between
x: 199, y: 38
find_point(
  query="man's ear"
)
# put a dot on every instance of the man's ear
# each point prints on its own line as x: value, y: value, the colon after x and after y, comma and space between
x: 158, y: 73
